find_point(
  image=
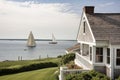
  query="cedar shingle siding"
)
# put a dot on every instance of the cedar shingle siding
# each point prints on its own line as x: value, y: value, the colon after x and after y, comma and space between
x: 87, y: 36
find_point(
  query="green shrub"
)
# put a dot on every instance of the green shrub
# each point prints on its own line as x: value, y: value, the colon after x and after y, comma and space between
x: 67, y: 58
x: 28, y: 68
x: 73, y: 77
x: 118, y: 78
x: 90, y: 75
x: 59, y: 56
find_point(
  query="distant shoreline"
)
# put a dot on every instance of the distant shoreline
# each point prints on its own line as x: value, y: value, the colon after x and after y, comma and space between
x: 35, y: 40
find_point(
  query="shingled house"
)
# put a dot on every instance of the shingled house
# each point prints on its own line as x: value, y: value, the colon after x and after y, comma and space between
x: 99, y: 39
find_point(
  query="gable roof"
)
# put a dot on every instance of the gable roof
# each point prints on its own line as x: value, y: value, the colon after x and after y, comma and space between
x: 105, y: 26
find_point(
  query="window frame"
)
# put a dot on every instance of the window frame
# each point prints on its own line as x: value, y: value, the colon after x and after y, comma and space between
x: 98, y: 56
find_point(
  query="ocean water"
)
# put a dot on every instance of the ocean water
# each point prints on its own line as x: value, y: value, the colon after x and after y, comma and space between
x: 10, y: 50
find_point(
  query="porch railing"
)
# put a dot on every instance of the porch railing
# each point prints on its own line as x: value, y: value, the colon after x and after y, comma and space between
x: 83, y: 60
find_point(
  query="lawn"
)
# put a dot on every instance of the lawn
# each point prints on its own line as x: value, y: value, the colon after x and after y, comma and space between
x: 41, y: 74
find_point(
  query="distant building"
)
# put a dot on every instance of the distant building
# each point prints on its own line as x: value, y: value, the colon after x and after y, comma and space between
x: 99, y: 39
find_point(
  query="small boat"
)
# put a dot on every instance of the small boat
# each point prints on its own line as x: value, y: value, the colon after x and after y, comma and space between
x: 25, y: 49
x: 53, y: 40
x: 31, y: 41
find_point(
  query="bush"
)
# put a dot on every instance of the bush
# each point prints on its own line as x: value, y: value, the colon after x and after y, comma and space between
x: 28, y: 68
x: 59, y: 56
x: 90, y: 75
x: 67, y: 58
x: 118, y: 78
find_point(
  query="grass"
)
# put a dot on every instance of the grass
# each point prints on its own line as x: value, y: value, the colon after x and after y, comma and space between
x: 17, y: 64
x: 42, y: 74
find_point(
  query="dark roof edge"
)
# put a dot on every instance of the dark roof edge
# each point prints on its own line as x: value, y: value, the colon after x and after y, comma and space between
x: 108, y: 13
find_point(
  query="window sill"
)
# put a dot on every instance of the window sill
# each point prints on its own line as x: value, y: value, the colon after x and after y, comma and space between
x: 99, y: 64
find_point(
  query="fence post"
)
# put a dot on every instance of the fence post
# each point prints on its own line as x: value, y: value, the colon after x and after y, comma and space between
x: 61, y: 76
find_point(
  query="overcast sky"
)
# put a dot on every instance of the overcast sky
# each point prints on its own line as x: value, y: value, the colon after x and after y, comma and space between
x: 44, y: 17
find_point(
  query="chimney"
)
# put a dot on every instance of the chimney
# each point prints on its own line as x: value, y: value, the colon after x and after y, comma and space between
x: 88, y: 9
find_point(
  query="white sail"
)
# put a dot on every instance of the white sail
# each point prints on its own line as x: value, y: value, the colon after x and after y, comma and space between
x: 53, y: 40
x: 31, y: 40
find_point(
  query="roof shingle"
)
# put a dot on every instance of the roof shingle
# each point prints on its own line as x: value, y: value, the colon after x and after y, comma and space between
x: 105, y: 26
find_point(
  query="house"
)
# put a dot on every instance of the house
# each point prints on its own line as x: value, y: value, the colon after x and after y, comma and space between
x: 99, y: 39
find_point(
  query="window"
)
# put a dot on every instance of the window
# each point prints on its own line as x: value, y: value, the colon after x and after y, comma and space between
x: 80, y: 49
x: 84, y: 27
x: 90, y: 53
x: 108, y: 55
x: 99, y: 54
x: 118, y: 57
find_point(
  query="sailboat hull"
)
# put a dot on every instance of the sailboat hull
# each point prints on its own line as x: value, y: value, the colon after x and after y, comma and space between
x: 31, y: 45
x: 52, y: 42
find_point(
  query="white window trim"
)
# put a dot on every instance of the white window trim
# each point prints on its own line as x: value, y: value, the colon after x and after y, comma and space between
x: 99, y: 64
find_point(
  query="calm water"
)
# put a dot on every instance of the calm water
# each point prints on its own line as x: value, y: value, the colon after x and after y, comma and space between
x: 10, y: 50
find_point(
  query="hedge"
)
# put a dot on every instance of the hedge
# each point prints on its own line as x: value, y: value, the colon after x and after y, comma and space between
x: 90, y: 75
x: 67, y: 58
x: 27, y: 68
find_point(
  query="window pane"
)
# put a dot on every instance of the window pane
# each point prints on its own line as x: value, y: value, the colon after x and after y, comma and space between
x: 99, y: 51
x: 90, y: 53
x: 118, y: 57
x: 99, y: 58
x: 118, y: 52
x: 108, y: 51
x: 99, y: 54
x: 118, y: 61
x: 90, y: 57
x: 108, y: 60
x: 83, y: 27
x: 108, y: 55
x: 90, y: 50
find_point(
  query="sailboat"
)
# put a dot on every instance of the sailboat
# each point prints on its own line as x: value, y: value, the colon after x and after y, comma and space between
x: 31, y: 40
x: 53, y: 40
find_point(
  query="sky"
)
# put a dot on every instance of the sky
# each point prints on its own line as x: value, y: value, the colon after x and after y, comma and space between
x: 44, y: 17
